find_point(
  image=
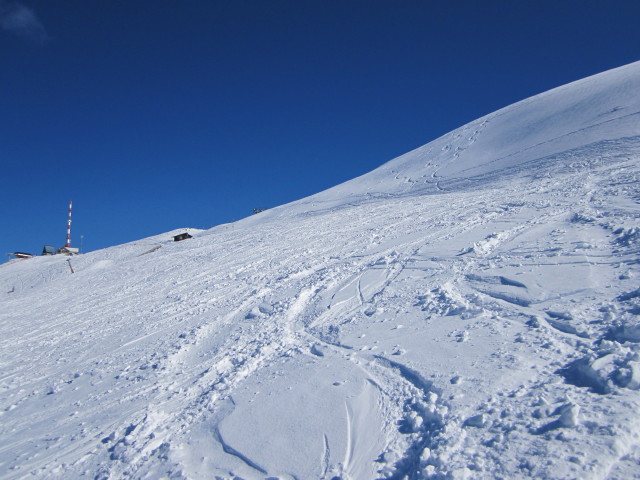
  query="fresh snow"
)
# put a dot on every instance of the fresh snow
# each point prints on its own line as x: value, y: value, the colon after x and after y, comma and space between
x: 468, y: 310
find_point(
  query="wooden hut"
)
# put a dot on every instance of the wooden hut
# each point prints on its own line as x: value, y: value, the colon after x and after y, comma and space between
x: 182, y: 236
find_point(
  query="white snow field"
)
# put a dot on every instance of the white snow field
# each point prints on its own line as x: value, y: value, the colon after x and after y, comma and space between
x: 468, y: 310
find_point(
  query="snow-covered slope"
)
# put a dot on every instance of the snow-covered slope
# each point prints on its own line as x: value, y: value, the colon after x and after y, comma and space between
x: 468, y: 310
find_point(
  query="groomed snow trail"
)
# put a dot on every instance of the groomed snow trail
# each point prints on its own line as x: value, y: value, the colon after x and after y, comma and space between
x: 469, y: 310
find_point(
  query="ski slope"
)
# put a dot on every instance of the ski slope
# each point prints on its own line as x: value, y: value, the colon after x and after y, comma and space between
x: 467, y: 310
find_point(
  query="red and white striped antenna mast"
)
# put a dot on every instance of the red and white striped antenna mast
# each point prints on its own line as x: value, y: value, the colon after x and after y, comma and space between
x: 69, y: 227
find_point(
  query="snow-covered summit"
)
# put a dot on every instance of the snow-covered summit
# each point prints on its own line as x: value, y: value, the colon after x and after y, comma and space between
x: 467, y: 310
x: 527, y: 135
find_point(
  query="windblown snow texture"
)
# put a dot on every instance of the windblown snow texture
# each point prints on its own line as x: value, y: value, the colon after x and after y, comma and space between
x: 468, y: 310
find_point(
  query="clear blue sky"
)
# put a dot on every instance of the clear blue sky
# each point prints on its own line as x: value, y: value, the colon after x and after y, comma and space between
x: 154, y: 115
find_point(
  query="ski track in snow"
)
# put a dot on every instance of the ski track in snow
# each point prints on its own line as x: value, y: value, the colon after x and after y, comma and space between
x: 484, y: 328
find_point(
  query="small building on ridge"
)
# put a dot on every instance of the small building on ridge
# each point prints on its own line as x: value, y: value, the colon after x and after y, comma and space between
x: 182, y: 236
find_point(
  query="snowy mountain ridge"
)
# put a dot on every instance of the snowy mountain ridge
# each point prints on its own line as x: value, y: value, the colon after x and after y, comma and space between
x: 467, y: 310
x: 510, y: 140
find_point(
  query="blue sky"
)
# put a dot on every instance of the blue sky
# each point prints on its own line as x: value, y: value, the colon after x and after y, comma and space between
x: 155, y: 115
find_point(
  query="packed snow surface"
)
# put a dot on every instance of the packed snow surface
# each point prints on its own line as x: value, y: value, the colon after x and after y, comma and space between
x: 468, y: 310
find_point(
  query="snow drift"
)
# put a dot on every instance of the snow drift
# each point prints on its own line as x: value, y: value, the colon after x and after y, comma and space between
x: 467, y: 310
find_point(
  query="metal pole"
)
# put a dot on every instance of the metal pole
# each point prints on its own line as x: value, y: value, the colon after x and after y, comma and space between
x: 69, y: 227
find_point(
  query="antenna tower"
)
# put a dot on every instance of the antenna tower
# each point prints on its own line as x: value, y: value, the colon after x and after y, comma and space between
x: 69, y: 227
